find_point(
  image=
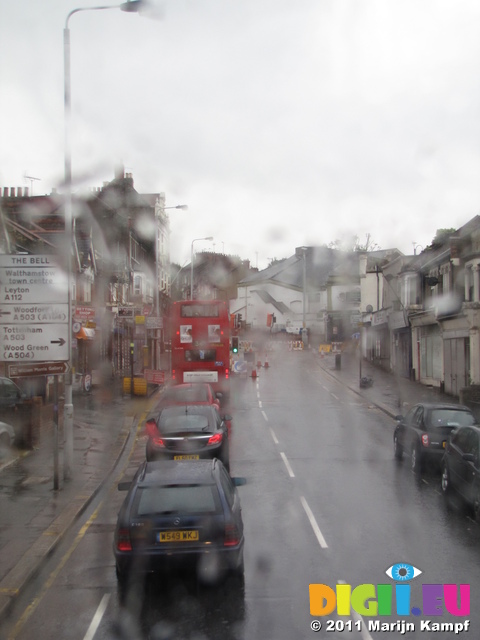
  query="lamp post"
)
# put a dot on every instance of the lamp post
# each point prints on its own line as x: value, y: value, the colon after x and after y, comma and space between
x: 159, y: 214
x: 191, y: 264
x: 133, y: 6
x: 304, y: 322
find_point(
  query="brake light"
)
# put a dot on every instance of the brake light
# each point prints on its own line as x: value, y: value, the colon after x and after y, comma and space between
x: 231, y: 535
x: 152, y: 432
x: 425, y: 440
x: 151, y: 428
x: 226, y: 374
x: 215, y: 439
x: 123, y: 540
x: 173, y: 374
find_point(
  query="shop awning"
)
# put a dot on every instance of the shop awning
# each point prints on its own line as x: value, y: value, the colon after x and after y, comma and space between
x: 85, y: 334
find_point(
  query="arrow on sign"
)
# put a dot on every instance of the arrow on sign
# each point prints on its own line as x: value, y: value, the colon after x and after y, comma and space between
x: 61, y: 341
x: 5, y: 313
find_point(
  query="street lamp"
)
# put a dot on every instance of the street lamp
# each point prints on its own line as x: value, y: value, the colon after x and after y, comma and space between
x: 191, y: 262
x: 133, y: 6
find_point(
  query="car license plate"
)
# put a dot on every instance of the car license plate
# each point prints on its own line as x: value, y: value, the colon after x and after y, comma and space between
x: 177, y: 536
x: 187, y: 457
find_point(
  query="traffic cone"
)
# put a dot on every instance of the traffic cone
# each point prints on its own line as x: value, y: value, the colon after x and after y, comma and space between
x: 266, y: 365
x: 254, y: 373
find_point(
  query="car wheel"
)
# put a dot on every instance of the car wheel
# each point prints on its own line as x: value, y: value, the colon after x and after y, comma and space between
x: 416, y: 460
x: 397, y: 448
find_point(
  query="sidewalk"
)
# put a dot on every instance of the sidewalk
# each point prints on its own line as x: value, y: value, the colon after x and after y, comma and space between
x: 35, y: 516
x: 392, y: 394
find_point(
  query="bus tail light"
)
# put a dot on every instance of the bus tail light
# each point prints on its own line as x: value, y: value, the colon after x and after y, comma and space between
x: 226, y: 374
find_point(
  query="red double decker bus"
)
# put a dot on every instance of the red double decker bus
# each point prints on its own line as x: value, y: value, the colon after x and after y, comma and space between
x: 200, y: 343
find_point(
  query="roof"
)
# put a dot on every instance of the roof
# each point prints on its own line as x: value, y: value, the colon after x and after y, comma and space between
x: 322, y: 263
x: 268, y: 299
x: 178, y: 472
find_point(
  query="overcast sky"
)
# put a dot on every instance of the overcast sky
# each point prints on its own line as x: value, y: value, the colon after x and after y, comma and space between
x: 279, y: 123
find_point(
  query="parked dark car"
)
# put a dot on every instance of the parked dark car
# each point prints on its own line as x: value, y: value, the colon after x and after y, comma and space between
x: 180, y: 515
x: 461, y: 467
x: 10, y: 395
x: 189, y: 432
x: 14, y: 411
x: 424, y: 431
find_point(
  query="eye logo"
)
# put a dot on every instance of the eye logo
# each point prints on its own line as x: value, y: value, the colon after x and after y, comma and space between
x: 402, y: 572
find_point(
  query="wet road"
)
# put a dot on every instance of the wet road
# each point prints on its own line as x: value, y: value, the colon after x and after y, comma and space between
x: 325, y: 502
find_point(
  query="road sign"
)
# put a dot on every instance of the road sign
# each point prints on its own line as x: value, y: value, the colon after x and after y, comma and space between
x: 154, y: 322
x: 33, y: 313
x: 27, y: 279
x: 154, y: 376
x: 33, y: 343
x: 37, y: 369
x: 34, y: 310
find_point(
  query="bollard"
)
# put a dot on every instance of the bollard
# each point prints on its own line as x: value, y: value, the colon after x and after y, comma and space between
x: 338, y: 361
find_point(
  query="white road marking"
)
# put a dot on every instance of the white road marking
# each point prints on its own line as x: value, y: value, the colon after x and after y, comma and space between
x: 313, y: 522
x: 336, y: 397
x: 260, y: 404
x: 265, y: 416
x: 287, y: 464
x: 273, y: 435
x: 97, y: 618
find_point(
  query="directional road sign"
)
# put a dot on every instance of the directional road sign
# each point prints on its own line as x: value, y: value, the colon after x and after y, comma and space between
x: 34, y: 311
x: 33, y: 343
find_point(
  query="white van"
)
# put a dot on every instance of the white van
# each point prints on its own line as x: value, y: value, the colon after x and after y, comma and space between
x: 294, y: 328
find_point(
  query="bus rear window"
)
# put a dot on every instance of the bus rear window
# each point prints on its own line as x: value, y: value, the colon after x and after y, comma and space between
x: 200, y: 355
x: 199, y: 311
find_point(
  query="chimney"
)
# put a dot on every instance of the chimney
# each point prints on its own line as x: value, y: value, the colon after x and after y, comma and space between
x: 12, y: 192
x: 25, y: 191
x: 119, y: 172
x: 19, y: 192
x: 5, y: 192
x: 129, y: 179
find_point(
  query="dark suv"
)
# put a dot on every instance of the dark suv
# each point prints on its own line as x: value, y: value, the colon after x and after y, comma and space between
x: 423, y: 432
x: 180, y: 514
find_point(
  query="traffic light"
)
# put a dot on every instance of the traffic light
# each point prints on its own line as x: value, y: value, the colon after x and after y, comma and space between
x: 235, y: 344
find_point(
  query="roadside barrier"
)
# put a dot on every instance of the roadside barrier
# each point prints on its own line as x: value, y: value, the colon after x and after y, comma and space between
x: 295, y: 345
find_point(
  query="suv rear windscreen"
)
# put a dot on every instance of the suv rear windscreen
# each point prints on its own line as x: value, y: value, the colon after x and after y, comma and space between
x: 195, y: 498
